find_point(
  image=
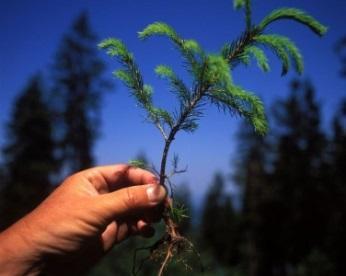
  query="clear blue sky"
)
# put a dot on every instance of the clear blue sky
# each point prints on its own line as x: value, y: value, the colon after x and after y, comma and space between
x: 30, y: 32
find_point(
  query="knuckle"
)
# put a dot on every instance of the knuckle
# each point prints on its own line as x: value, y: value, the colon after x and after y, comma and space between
x: 131, y: 199
x: 95, y: 177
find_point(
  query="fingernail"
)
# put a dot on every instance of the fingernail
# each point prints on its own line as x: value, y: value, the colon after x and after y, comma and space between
x: 156, y: 193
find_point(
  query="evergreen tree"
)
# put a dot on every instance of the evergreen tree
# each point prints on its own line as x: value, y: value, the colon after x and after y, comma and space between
x: 337, y: 240
x: 299, y: 180
x: 251, y: 174
x: 337, y: 226
x: 28, y: 155
x: 79, y: 85
x: 219, y: 223
x: 211, y: 82
x: 287, y: 197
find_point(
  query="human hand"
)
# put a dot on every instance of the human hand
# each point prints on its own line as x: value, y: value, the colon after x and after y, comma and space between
x: 81, y: 220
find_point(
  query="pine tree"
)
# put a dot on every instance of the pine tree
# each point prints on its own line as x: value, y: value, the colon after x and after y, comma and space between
x: 211, y: 82
x: 79, y: 85
x: 28, y: 154
x: 251, y: 174
x: 298, y: 180
x: 337, y: 225
x: 339, y: 142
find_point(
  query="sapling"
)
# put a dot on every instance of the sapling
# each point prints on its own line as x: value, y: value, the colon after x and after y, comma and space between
x: 211, y: 82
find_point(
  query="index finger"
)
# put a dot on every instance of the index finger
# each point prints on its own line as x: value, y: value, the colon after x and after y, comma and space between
x: 114, y: 177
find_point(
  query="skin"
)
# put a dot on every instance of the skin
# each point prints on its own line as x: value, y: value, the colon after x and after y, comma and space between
x: 81, y: 221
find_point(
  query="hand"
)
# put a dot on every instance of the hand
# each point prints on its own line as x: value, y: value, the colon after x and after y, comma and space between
x: 81, y: 220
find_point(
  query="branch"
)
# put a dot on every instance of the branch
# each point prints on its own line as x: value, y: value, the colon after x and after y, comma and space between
x: 200, y: 91
x: 170, y: 187
x: 248, y: 14
x: 233, y: 51
x: 160, y: 128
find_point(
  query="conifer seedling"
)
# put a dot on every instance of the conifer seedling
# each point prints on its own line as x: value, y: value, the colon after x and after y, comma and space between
x: 211, y: 82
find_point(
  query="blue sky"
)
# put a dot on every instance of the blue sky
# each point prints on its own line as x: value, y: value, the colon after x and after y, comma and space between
x: 31, y: 31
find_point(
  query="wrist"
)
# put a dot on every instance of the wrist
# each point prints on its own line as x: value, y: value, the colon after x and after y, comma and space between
x: 18, y: 255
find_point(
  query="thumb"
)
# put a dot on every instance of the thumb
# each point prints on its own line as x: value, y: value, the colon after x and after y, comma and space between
x: 130, y: 200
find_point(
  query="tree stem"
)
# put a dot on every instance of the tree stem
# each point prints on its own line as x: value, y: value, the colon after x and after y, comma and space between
x: 164, y: 159
x: 241, y: 43
x: 171, y: 226
x: 174, y: 130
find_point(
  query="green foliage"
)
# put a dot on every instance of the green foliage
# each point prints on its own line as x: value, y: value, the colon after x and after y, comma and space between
x: 294, y: 53
x: 177, y: 85
x: 132, y: 78
x: 282, y: 46
x: 285, y: 49
x: 159, y: 115
x: 259, y: 55
x: 238, y: 51
x: 236, y: 100
x: 159, y: 28
x: 212, y: 72
x: 218, y: 70
x: 296, y: 15
x: 238, y: 4
x: 189, y: 49
x: 255, y: 114
x: 192, y: 46
x: 234, y: 51
x: 115, y: 48
x: 164, y: 71
x: 130, y: 75
x: 182, y: 198
x: 178, y: 213
x: 278, y: 48
x: 211, y: 83
x: 138, y: 164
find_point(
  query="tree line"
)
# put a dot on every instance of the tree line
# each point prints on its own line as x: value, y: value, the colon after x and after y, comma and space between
x: 292, y: 220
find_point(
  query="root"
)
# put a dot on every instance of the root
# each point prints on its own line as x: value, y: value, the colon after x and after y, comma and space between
x: 177, y: 245
x: 166, y: 260
x: 171, y: 245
